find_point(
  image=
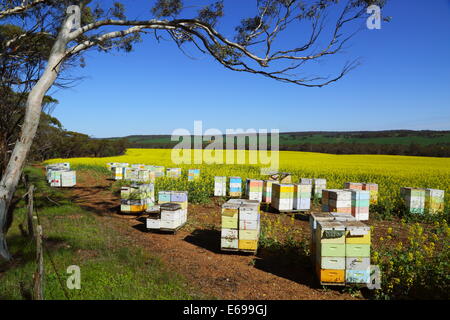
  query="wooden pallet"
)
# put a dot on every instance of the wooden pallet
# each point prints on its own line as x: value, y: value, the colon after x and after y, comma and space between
x: 174, y: 231
x: 290, y: 211
x: 341, y: 284
x: 239, y: 250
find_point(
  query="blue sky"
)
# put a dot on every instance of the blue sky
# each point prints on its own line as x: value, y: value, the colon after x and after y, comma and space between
x: 402, y: 83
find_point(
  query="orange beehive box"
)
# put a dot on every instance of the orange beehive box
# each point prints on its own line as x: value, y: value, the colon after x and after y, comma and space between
x: 331, y: 275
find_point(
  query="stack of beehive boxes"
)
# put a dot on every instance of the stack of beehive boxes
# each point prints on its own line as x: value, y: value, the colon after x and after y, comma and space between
x: 337, y: 200
x: 341, y: 249
x: 117, y: 172
x: 282, y: 196
x: 157, y: 171
x: 267, y: 191
x: 254, y: 189
x: 173, y: 216
x: 360, y: 204
x: 68, y: 178
x: 240, y: 225
x: 249, y: 226
x: 131, y: 174
x: 60, y: 175
x: 173, y: 172
x: 434, y: 200
x: 220, y: 186
x: 193, y: 174
x: 235, y: 186
x: 318, y: 186
x: 353, y: 185
x: 314, y: 218
x: 414, y: 199
x: 330, y: 252
x: 230, y: 226
x: 302, y: 196
x: 357, y: 252
x: 423, y: 200
x: 170, y: 218
x: 371, y: 187
x: 179, y: 197
x: 136, y: 198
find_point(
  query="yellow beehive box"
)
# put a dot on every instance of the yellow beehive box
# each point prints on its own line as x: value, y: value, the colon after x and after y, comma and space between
x: 332, y: 275
x: 357, y: 232
x: 230, y: 222
x: 248, y: 234
x: 248, y: 244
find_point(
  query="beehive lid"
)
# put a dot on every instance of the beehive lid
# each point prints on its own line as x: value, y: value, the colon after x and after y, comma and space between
x: 331, y: 225
x: 357, y: 228
x: 170, y: 206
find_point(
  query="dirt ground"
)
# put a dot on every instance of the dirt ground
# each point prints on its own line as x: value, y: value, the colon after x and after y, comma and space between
x: 194, y: 251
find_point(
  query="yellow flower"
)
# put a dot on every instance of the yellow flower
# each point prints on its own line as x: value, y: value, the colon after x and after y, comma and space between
x: 389, y: 230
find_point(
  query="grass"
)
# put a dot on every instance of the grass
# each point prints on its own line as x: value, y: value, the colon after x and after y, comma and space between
x: 112, y: 267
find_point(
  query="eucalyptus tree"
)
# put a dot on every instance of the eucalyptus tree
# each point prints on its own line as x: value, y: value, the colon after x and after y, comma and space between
x: 258, y: 45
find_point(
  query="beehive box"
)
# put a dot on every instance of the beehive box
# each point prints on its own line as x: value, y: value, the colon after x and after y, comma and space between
x: 267, y: 191
x: 306, y: 181
x: 318, y: 186
x: 62, y: 178
x: 158, y: 171
x: 193, y: 174
x: 360, y: 204
x: 302, y: 196
x: 282, y: 197
x: 254, y: 189
x: 235, y: 187
x: 131, y: 174
x: 353, y: 185
x: 132, y: 206
x: 173, y: 172
x: 220, y: 186
x: 68, y: 178
x: 434, y: 200
x: 336, y: 200
x: 143, y: 193
x: 414, y: 199
x: 117, y: 173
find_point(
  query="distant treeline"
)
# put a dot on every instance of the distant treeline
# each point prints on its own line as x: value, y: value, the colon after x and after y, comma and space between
x: 413, y: 149
x: 53, y: 141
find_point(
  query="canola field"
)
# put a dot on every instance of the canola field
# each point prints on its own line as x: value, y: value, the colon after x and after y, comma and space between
x: 389, y: 172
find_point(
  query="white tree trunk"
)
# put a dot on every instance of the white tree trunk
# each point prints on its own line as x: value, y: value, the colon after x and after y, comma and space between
x: 10, y: 178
